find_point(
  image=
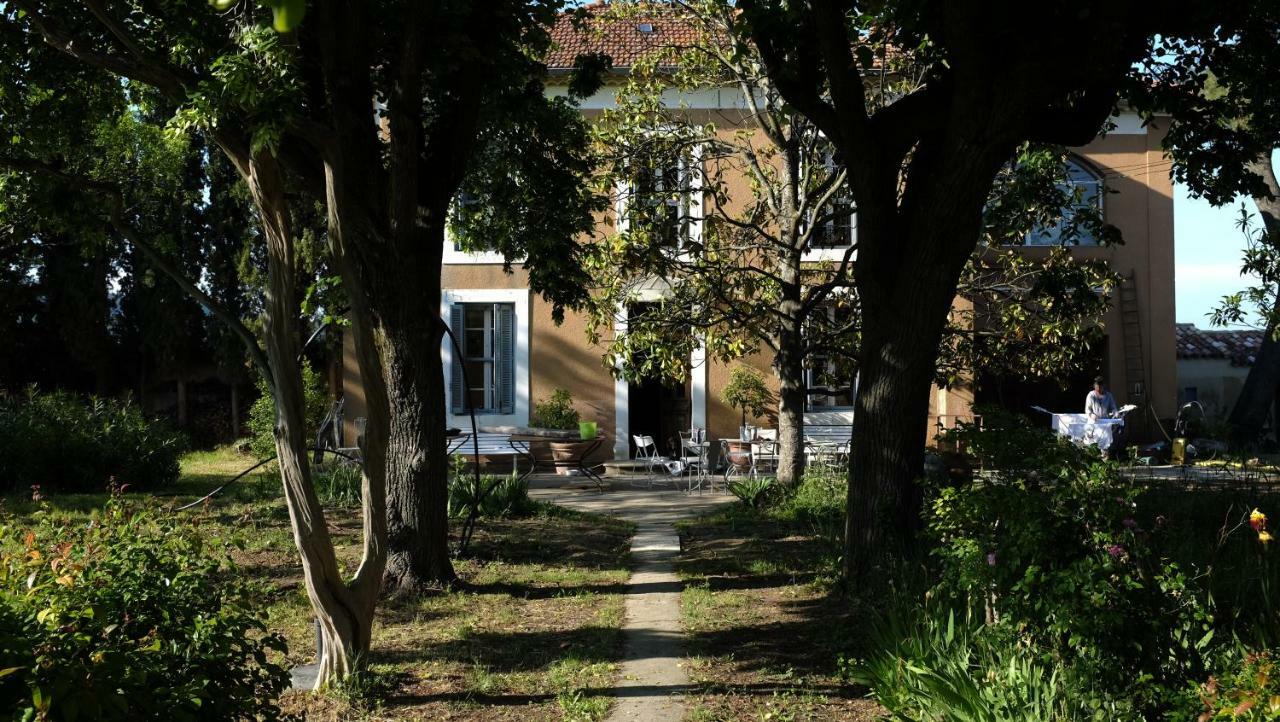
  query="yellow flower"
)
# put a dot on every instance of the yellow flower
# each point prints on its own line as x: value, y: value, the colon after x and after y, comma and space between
x: 1264, y: 536
x: 1257, y: 520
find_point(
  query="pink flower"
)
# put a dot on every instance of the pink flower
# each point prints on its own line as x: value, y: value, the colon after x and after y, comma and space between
x: 35, y: 493
x: 1116, y: 551
x: 1129, y: 523
x: 991, y: 559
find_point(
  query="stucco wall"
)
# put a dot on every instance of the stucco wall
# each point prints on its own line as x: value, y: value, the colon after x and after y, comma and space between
x: 1216, y: 382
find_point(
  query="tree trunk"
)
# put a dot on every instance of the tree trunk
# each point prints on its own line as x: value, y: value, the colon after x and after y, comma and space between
x: 789, y: 367
x: 1262, y: 385
x: 182, y: 403
x: 417, y: 458
x: 911, y: 253
x: 417, y: 465
x: 235, y: 411
x: 344, y: 614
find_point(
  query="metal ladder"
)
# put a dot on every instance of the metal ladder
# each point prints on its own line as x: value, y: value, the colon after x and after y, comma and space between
x: 1135, y: 368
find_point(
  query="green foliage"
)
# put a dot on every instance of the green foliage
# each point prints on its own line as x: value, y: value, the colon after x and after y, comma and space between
x: 752, y: 491
x: 930, y: 665
x: 262, y: 415
x: 498, y: 496
x: 133, y: 616
x: 747, y: 392
x: 338, y: 483
x: 61, y: 442
x: 1052, y: 546
x: 1246, y: 690
x: 556, y: 412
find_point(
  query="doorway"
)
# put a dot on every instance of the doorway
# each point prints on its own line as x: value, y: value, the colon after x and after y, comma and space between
x: 656, y: 407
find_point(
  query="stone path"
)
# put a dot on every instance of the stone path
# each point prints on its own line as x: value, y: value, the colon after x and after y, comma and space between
x: 652, y: 681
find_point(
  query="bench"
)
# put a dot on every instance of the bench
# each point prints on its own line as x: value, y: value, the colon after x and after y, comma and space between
x: 828, y: 433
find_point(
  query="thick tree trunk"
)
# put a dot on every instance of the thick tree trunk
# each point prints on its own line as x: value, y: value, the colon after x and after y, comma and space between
x: 1262, y: 385
x: 418, y: 467
x: 912, y: 252
x: 789, y: 367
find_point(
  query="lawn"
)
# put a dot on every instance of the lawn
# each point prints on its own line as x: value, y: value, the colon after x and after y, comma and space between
x: 532, y: 634
x: 764, y: 623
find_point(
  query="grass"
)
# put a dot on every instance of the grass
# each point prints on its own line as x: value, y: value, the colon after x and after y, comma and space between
x: 532, y: 634
x: 764, y: 624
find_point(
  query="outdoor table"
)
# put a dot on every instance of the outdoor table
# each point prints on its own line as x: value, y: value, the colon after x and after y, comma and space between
x: 1083, y: 430
x: 582, y: 449
x: 698, y: 449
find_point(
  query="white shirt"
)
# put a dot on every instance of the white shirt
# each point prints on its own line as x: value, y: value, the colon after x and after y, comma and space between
x: 1099, y: 405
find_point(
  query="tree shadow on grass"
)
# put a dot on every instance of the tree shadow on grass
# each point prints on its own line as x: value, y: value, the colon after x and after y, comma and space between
x: 515, y: 651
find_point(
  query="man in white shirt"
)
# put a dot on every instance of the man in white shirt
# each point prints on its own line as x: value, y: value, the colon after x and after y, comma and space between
x: 1100, y: 404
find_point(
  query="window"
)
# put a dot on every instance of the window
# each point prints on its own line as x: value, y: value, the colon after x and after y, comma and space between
x: 486, y: 335
x: 1085, y: 187
x: 661, y: 199
x: 837, y: 229
x: 826, y: 389
x: 828, y: 375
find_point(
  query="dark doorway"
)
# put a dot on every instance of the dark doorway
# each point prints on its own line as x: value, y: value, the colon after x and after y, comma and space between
x: 657, y: 407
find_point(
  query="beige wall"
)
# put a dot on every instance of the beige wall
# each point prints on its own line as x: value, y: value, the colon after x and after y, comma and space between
x: 1217, y: 384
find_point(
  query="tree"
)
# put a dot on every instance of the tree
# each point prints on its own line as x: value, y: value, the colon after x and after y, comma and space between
x: 920, y: 170
x: 383, y: 112
x: 1222, y: 95
x: 739, y: 273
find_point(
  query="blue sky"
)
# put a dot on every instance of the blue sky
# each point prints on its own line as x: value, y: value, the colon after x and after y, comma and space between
x: 1207, y: 254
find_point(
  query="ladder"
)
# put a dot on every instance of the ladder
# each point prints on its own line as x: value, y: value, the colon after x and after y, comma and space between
x: 1135, y: 369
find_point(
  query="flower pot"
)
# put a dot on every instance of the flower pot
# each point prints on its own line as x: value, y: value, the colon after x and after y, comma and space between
x: 564, y: 451
x: 738, y: 454
x: 587, y: 430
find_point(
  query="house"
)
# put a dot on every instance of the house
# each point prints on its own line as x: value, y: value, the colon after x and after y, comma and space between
x: 520, y: 356
x: 1212, y: 366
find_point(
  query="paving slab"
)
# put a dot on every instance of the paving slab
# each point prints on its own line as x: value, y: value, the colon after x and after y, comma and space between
x: 652, y: 680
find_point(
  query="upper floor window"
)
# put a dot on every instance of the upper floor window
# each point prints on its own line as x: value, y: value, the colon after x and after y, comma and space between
x: 836, y: 227
x: 828, y: 373
x: 486, y: 334
x: 1083, y: 186
x: 661, y: 199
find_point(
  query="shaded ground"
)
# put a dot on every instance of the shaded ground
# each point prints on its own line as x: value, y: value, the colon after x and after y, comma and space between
x: 764, y: 629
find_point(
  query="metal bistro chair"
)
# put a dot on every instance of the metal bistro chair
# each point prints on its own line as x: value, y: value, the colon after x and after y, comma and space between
x: 693, y: 455
x: 764, y: 454
x: 738, y: 461
x: 647, y: 451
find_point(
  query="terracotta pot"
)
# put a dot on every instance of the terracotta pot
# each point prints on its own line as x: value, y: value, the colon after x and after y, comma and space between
x: 738, y: 453
x: 567, y: 450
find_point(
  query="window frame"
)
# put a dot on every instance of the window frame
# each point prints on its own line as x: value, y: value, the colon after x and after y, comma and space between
x: 519, y: 300
x: 1095, y: 178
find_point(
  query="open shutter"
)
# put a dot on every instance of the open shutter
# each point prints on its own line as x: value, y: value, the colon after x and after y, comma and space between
x: 458, y: 391
x: 504, y: 323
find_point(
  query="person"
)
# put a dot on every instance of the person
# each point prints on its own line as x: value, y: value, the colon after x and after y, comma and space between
x: 1100, y: 404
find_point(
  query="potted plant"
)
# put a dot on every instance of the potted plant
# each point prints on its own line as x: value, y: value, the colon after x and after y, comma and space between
x: 557, y: 412
x: 747, y: 392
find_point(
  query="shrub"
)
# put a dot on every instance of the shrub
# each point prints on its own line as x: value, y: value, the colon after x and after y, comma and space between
x: 499, y: 496
x: 748, y: 392
x: 1051, y: 545
x: 752, y: 491
x: 932, y: 664
x: 262, y: 415
x: 556, y: 412
x: 131, y: 616
x: 338, y: 483
x: 1248, y: 689
x: 61, y: 442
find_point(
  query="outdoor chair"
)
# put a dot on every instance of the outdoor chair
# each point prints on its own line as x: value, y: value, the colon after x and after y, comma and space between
x: 764, y: 453
x: 647, y: 451
x: 738, y: 460
x: 693, y: 455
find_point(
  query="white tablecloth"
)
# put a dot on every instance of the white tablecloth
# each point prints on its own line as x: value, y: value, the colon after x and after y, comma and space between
x: 1081, y: 430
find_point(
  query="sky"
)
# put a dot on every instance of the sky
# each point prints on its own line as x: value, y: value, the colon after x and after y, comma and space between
x: 1207, y: 255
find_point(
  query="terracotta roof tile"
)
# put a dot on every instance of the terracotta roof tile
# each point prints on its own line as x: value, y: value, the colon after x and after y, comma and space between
x: 1239, y: 347
x: 624, y: 41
